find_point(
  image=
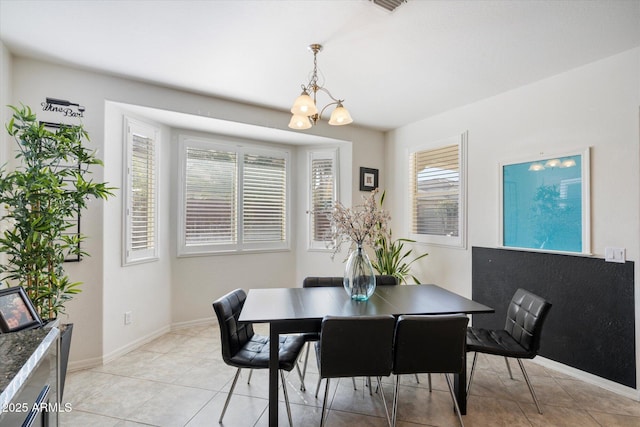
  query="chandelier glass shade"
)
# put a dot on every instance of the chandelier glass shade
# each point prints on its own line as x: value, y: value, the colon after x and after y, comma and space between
x: 305, y: 111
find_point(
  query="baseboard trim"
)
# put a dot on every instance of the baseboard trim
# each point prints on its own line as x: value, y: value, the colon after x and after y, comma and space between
x: 106, y: 358
x: 190, y: 323
x: 612, y: 386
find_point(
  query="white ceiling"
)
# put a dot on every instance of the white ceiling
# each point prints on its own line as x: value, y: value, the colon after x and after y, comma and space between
x: 391, y: 68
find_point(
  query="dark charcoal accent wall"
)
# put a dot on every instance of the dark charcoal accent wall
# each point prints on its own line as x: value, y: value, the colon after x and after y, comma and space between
x: 591, y: 323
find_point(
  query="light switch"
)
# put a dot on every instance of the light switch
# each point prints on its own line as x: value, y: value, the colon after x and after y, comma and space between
x: 614, y: 255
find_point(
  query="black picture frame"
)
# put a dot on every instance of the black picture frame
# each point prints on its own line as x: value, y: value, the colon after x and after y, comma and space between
x: 368, y: 179
x: 17, y: 312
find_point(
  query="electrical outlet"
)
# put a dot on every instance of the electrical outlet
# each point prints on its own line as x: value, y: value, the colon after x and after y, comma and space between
x: 615, y: 255
x: 127, y: 318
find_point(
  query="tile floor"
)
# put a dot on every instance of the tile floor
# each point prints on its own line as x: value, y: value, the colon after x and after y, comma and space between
x: 180, y: 380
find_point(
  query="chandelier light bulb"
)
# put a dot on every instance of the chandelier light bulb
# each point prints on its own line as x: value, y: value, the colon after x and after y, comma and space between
x: 340, y: 116
x: 299, y: 122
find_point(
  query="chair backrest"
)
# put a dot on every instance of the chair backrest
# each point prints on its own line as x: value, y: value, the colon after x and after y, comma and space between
x: 318, y: 282
x: 430, y: 344
x: 233, y: 334
x: 386, y: 280
x: 525, y: 316
x: 358, y: 346
x: 321, y: 282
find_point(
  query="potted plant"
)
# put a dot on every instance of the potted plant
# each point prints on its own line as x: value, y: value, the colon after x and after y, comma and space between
x: 39, y: 200
x: 391, y: 258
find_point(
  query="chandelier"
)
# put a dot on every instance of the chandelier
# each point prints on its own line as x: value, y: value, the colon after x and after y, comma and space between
x: 305, y: 112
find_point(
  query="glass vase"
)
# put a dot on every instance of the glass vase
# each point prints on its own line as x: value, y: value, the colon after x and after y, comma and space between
x: 359, y: 279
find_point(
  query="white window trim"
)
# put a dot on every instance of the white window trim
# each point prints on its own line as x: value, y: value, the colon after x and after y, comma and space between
x: 459, y: 241
x: 241, y: 147
x: 316, y: 245
x: 151, y: 254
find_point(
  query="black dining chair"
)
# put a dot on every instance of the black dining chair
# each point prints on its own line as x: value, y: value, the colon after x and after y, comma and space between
x: 429, y: 344
x: 242, y: 348
x: 519, y: 339
x: 355, y: 346
x: 332, y: 281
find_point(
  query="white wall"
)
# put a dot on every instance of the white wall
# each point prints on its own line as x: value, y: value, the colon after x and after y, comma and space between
x: 5, y: 98
x: 592, y: 106
x: 173, y: 291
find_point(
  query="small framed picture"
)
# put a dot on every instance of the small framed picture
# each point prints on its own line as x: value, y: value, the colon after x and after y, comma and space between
x: 368, y: 179
x: 16, y: 310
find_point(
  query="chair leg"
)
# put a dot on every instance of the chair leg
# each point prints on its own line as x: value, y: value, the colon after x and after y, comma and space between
x: 394, y: 409
x: 455, y: 401
x: 368, y: 384
x: 318, y: 386
x: 324, y: 404
x: 286, y: 397
x: 533, y: 393
x: 249, y: 377
x: 418, y: 379
x: 430, y: 389
x: 353, y: 380
x: 508, y: 367
x: 226, y: 402
x: 473, y: 370
x: 301, y: 376
x: 304, y: 367
x: 384, y: 401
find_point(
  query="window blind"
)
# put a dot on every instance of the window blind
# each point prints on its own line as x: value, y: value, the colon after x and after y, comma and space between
x: 435, y: 184
x: 140, y: 192
x: 264, y: 204
x: 143, y: 190
x: 234, y: 197
x: 322, y: 197
x: 210, y: 196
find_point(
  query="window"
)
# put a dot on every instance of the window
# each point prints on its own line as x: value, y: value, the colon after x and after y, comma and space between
x: 233, y: 197
x: 323, y: 193
x: 437, y: 193
x: 141, y: 201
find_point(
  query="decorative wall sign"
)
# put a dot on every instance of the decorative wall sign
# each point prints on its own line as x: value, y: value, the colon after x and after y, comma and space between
x: 63, y: 106
x: 545, y: 203
x: 368, y: 179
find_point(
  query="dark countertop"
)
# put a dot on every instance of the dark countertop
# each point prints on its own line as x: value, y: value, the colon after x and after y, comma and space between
x: 20, y: 353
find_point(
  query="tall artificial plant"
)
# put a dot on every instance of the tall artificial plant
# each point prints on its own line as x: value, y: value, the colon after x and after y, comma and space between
x: 40, y: 198
x: 392, y: 259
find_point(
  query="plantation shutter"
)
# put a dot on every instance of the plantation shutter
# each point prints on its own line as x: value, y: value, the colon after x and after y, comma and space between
x: 323, y: 196
x: 210, y: 197
x: 264, y: 198
x: 435, y: 186
x: 141, y: 188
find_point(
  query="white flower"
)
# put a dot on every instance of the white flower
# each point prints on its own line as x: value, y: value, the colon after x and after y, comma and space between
x: 360, y: 225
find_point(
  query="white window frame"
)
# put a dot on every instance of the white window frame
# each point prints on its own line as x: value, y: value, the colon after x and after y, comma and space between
x: 241, y: 147
x: 459, y: 241
x: 130, y: 256
x: 320, y: 154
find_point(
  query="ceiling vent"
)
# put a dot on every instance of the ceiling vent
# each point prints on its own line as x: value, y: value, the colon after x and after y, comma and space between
x: 389, y: 5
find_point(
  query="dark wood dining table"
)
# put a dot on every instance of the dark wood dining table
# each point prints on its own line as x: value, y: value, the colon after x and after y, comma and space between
x: 296, y: 310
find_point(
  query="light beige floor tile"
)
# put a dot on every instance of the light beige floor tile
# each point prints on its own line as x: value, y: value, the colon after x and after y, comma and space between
x: 486, y: 411
x: 559, y: 416
x: 77, y: 418
x: 172, y: 406
x: 597, y: 399
x: 611, y: 420
x: 120, y: 398
x: 207, y: 374
x: 243, y: 411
